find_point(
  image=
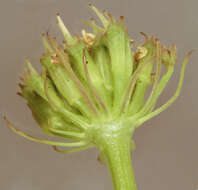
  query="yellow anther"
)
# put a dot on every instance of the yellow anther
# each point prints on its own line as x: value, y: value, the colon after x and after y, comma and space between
x: 88, y: 37
x: 141, y: 52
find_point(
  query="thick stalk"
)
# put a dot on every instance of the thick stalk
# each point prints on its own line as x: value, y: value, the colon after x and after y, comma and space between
x: 118, y: 158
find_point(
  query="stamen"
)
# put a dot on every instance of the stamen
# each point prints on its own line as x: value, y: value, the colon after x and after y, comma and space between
x: 156, y: 79
x: 31, y: 68
x: 94, y: 26
x: 100, y: 15
x: 145, y: 36
x: 46, y: 45
x: 72, y: 150
x: 108, y: 15
x: 133, y: 82
x: 88, y: 37
x: 64, y: 30
x: 55, y: 143
x: 173, y: 98
x: 122, y: 18
x: 141, y: 52
x: 68, y: 133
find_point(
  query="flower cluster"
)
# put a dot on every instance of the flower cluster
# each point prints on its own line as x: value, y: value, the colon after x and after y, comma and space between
x: 96, y: 80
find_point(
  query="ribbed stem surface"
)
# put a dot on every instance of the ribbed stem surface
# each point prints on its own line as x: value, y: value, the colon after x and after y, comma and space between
x: 118, y: 157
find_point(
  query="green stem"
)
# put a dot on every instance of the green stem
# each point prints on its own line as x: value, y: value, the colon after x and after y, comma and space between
x: 117, y: 154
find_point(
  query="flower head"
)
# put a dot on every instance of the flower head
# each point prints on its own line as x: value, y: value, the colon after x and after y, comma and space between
x: 94, y: 81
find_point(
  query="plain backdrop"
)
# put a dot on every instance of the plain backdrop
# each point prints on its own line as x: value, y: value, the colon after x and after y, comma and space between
x: 167, y: 146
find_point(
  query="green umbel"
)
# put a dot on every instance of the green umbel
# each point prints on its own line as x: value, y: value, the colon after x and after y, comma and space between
x: 92, y: 91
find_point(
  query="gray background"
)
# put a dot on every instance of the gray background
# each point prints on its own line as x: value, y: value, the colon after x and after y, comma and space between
x: 166, y: 156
